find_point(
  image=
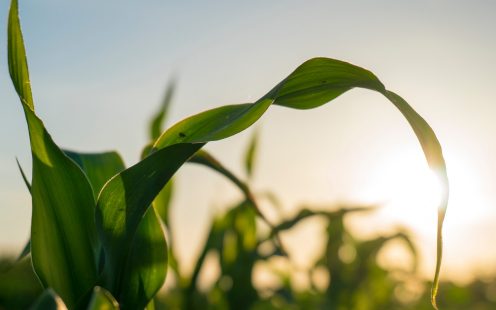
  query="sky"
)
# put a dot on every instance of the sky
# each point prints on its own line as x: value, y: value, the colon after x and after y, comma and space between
x: 99, y: 70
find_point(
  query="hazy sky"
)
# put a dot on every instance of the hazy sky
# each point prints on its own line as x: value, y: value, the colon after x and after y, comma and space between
x: 99, y: 69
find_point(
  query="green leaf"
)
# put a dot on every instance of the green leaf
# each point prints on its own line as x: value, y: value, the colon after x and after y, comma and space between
x: 314, y: 83
x: 160, y: 117
x: 162, y: 202
x: 215, y: 124
x: 146, y: 264
x: 63, y: 234
x: 250, y: 154
x: 48, y: 301
x: 151, y: 305
x: 98, y: 167
x: 18, y: 65
x: 19, y: 286
x: 102, y: 300
x: 122, y: 203
x: 125, y: 275
x: 146, y: 267
x: 24, y: 178
x: 27, y: 248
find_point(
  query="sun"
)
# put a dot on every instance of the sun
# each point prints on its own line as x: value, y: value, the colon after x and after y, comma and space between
x: 407, y: 190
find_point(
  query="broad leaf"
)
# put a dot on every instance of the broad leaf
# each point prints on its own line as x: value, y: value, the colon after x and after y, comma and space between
x: 98, y: 167
x: 146, y: 266
x: 63, y: 235
x: 146, y: 263
x: 162, y: 202
x: 122, y: 203
x: 19, y: 286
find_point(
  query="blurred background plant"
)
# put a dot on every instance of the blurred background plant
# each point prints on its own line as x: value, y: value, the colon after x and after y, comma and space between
x: 346, y: 275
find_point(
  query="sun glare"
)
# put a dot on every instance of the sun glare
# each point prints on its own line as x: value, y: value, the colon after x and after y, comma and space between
x: 408, y: 194
x: 415, y: 186
x: 408, y: 191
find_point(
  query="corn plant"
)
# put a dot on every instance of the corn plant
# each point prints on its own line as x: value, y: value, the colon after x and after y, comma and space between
x: 95, y: 241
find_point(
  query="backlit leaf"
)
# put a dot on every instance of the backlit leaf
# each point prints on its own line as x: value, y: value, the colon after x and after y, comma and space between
x: 122, y: 203
x: 146, y: 263
x: 63, y: 235
x: 146, y: 267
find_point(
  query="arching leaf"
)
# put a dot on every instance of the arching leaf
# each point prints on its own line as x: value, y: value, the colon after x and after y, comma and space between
x: 314, y: 83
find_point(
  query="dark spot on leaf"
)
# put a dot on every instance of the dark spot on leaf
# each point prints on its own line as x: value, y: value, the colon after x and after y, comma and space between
x: 182, y: 135
x: 323, y: 82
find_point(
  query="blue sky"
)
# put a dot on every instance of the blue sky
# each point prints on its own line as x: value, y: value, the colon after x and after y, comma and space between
x: 99, y: 70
